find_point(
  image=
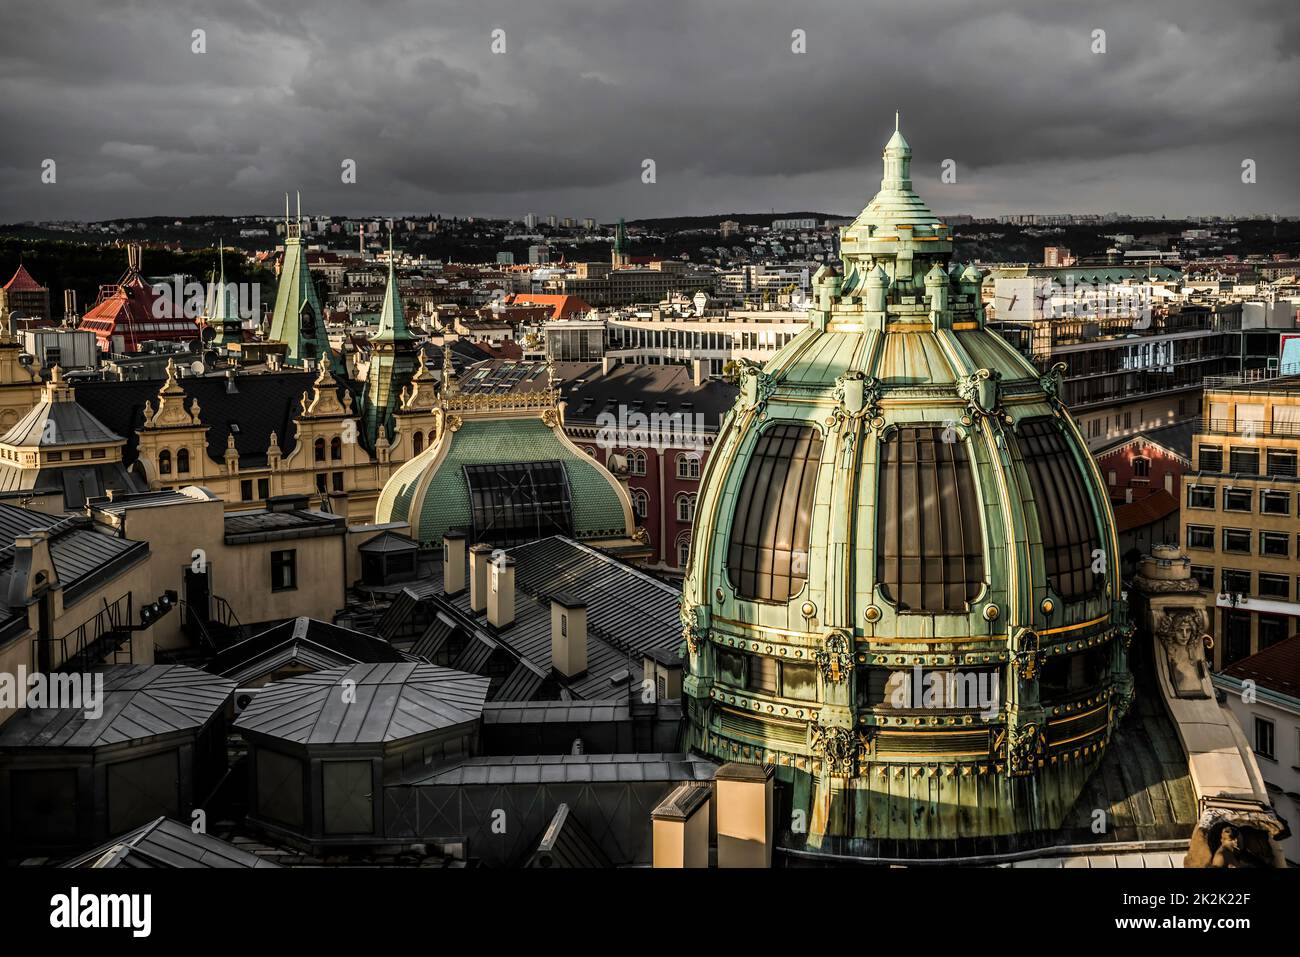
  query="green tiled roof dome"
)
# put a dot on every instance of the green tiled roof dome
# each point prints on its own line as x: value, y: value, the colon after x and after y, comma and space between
x: 903, y: 587
x: 515, y: 451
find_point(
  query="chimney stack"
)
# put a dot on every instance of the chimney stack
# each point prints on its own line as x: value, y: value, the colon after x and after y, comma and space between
x: 453, y: 562
x: 501, y: 591
x: 681, y: 826
x: 744, y: 796
x: 699, y: 371
x: 478, y: 572
x: 568, y: 635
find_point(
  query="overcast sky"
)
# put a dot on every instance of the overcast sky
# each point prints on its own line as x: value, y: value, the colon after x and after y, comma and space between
x: 560, y: 123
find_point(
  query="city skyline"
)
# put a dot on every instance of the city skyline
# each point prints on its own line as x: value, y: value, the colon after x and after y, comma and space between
x: 563, y: 116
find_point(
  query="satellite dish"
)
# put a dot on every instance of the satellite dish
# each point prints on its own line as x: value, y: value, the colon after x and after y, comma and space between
x: 207, y: 333
x: 197, y: 367
x: 26, y: 359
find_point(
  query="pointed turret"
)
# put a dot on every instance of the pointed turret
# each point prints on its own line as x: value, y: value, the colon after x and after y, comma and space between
x: 224, y: 307
x: 619, y: 257
x: 298, y: 319
x: 393, y: 362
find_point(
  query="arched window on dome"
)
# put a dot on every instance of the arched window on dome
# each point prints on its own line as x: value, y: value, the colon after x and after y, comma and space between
x: 417, y: 443
x: 183, y: 461
x: 1071, y: 543
x: 929, y: 537
x: 683, y: 551
x: 318, y: 450
x: 165, y: 462
x: 767, y: 558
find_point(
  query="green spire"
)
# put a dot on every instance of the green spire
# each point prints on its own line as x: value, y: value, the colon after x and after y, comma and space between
x: 393, y: 361
x: 619, y: 256
x: 298, y: 319
x: 392, y: 317
x: 224, y: 320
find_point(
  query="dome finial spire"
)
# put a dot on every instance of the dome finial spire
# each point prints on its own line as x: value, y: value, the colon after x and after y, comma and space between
x: 895, y: 121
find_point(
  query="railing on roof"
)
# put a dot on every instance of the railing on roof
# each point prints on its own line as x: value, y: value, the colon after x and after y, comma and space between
x: 94, y: 639
x: 1252, y: 376
x: 1246, y: 430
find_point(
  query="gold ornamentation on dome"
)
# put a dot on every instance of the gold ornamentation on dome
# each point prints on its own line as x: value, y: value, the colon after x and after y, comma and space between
x: 835, y: 658
x: 991, y: 612
x: 1048, y: 606
x: 808, y: 610
x: 872, y: 614
x: 453, y: 423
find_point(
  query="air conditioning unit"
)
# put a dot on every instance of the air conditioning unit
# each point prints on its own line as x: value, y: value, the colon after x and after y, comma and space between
x: 242, y: 698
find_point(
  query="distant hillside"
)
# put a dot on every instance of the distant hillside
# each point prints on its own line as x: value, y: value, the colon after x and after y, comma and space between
x: 677, y: 223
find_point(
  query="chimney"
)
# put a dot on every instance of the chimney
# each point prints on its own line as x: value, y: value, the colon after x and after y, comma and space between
x: 478, y: 571
x: 744, y: 795
x: 681, y: 827
x: 453, y: 562
x: 501, y: 591
x: 568, y: 635
x: 699, y: 371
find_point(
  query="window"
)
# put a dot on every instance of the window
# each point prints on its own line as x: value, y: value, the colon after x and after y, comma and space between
x: 1070, y: 538
x: 318, y: 450
x: 1200, y: 496
x: 762, y: 675
x: 1236, y: 583
x: 1274, y: 544
x: 683, y: 552
x: 183, y: 461
x: 929, y: 536
x: 640, y: 502
x: 519, y: 502
x: 686, y: 507
x: 1274, y: 586
x: 98, y: 454
x: 1244, y: 461
x: 77, y: 455
x: 336, y: 449
x: 1211, y: 458
x: 1281, y: 462
x: 284, y: 570
x: 338, y: 481
x: 1264, y: 738
x: 636, y: 462
x: 1236, y: 540
x: 1141, y: 467
x: 1200, y: 536
x: 1272, y: 502
x: 1272, y: 629
x: 246, y: 490
x: 1204, y: 575
x: 322, y: 482
x: 767, y: 556
x: 1236, y: 499
x: 263, y: 488
x: 164, y: 462
x: 417, y: 443
x: 688, y: 466
x: 1237, y: 642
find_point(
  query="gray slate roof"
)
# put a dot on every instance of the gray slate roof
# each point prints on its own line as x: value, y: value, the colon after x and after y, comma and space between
x: 307, y: 641
x: 391, y: 702
x: 140, y: 702
x: 72, y: 425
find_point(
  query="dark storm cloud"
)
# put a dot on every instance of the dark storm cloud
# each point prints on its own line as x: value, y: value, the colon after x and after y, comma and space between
x: 138, y: 124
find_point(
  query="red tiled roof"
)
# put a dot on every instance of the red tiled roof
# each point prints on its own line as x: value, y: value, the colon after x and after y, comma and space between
x: 1277, y: 667
x: 1150, y: 509
x: 127, y: 310
x: 23, y: 282
x: 561, y: 306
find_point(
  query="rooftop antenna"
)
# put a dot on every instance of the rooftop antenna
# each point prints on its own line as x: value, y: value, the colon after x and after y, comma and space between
x: 286, y: 209
x: 299, y: 194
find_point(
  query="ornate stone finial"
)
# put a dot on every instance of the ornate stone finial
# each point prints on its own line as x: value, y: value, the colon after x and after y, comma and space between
x: 171, y: 373
x: 381, y: 440
x: 448, y: 369
x: 347, y: 401
x: 56, y: 374
x: 194, y: 412
x: 148, y: 414
x: 230, y: 442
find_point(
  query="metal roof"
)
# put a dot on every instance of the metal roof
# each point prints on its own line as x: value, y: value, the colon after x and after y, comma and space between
x: 140, y: 702
x: 572, y: 768
x: 308, y: 641
x: 167, y: 844
x: 388, y: 702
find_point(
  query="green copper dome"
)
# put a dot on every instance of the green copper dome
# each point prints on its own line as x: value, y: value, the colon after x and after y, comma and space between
x: 901, y: 590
